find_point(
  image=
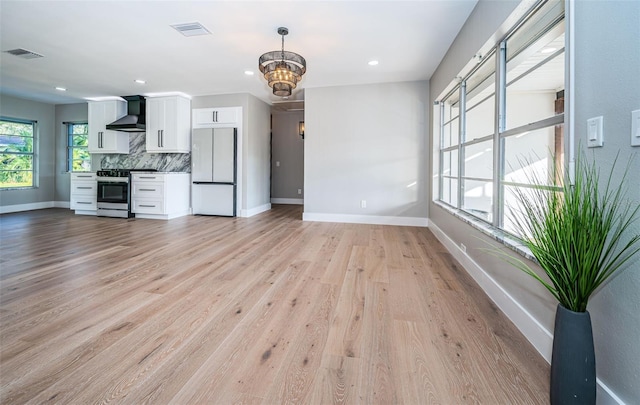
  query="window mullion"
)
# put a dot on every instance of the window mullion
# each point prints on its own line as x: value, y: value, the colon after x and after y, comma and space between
x: 461, y: 137
x: 498, y: 143
x: 441, y: 162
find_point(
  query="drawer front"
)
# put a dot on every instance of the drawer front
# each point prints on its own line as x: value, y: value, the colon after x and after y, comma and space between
x: 147, y: 206
x: 147, y: 177
x: 83, y: 203
x: 89, y: 188
x: 148, y: 190
x: 83, y: 176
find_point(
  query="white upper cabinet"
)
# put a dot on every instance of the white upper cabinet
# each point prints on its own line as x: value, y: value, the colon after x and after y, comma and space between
x: 215, y: 117
x: 168, y: 125
x: 102, y: 140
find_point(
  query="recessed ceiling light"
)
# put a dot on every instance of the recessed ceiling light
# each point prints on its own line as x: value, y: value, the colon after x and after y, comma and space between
x: 140, y: 81
x: 373, y: 62
x: 61, y: 89
x: 248, y: 72
x: 548, y: 50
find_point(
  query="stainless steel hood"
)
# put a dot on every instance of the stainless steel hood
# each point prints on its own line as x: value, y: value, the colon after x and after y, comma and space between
x: 135, y: 119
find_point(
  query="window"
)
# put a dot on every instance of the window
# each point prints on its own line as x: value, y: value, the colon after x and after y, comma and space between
x: 78, y: 157
x: 502, y: 125
x: 17, y: 153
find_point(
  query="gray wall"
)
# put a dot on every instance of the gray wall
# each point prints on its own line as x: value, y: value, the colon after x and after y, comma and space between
x: 607, y: 83
x: 13, y: 107
x: 259, y: 153
x: 288, y: 149
x: 607, y: 52
x: 65, y: 113
x: 366, y: 142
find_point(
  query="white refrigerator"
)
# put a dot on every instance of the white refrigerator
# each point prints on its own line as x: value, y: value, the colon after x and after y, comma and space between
x: 214, y: 171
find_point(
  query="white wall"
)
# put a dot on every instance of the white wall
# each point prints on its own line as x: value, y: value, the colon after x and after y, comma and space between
x: 366, y: 142
x: 606, y: 71
x: 288, y: 150
x: 44, y: 114
x: 607, y: 83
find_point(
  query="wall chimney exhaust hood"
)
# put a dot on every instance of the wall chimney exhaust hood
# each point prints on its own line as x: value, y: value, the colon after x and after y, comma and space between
x: 135, y: 119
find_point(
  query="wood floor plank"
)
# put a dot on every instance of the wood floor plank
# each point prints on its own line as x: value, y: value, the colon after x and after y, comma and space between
x: 260, y: 310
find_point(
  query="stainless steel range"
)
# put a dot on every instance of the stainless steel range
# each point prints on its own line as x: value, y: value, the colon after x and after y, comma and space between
x: 114, y: 192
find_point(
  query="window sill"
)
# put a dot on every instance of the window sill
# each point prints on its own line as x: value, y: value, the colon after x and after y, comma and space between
x: 499, y: 235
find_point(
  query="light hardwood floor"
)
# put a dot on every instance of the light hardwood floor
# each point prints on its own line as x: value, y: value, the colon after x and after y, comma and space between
x: 268, y: 309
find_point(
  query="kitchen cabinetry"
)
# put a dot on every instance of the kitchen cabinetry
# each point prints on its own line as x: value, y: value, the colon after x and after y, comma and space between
x: 168, y: 125
x: 216, y: 117
x: 84, y: 193
x: 160, y: 195
x: 102, y: 140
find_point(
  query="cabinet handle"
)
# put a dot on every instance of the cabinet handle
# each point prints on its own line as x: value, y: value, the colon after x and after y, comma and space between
x: 146, y: 206
x: 147, y: 189
x: 99, y: 140
x: 147, y: 177
x: 84, y: 176
x: 162, y: 137
x: 83, y: 202
x: 85, y: 188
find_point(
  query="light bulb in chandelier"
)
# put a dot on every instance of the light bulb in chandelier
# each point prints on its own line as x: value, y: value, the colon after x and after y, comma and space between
x: 282, y: 69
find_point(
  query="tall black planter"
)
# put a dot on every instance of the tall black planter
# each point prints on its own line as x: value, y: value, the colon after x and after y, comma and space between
x: 573, y: 360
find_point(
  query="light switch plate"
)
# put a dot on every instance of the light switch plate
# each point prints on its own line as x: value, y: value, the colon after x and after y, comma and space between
x: 595, y: 132
x: 635, y: 128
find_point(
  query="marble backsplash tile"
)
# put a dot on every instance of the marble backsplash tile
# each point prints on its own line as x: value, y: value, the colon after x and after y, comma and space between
x: 138, y: 158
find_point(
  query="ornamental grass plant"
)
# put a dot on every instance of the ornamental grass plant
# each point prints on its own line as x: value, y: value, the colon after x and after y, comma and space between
x: 576, y: 232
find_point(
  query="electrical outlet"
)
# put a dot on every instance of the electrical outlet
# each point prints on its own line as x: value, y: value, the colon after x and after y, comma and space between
x: 277, y: 163
x: 463, y: 247
x: 299, y: 191
x: 363, y: 204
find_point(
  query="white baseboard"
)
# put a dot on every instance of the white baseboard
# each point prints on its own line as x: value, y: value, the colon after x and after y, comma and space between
x: 61, y: 204
x: 26, y: 207
x: 292, y: 201
x: 255, y: 211
x: 366, y: 219
x: 538, y: 335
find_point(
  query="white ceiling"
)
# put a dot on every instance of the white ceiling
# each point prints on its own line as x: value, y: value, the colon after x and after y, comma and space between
x: 98, y: 48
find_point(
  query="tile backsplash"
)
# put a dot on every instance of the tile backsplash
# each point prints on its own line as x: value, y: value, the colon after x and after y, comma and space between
x: 139, y: 159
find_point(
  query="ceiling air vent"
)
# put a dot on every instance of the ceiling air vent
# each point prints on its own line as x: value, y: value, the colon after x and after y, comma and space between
x: 191, y: 29
x: 24, y: 54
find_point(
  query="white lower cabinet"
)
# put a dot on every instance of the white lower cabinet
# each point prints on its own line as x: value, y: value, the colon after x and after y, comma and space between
x: 84, y: 193
x: 160, y: 195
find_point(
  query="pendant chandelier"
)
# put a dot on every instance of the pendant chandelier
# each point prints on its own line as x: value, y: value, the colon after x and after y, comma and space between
x: 282, y: 69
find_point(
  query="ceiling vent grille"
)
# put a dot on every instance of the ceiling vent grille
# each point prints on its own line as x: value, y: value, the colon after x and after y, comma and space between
x: 24, y: 54
x: 191, y: 29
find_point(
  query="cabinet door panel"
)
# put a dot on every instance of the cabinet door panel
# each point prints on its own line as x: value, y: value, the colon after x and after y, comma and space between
x: 155, y: 115
x: 96, y: 126
x: 215, y: 117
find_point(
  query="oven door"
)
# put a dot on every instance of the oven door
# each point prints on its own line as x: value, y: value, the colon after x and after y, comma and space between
x: 116, y: 192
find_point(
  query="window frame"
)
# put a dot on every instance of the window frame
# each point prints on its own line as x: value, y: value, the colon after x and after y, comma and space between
x: 457, y: 89
x: 32, y: 153
x: 71, y: 145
